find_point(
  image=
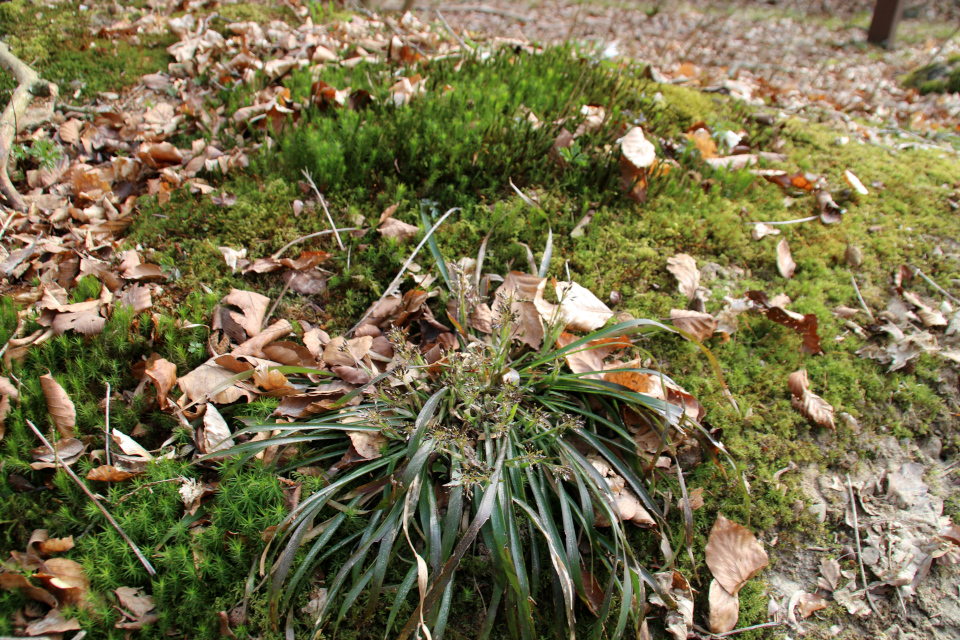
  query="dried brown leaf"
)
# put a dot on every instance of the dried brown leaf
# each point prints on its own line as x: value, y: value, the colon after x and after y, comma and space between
x: 521, y: 290
x: 589, y: 358
x: 393, y: 228
x: 129, y: 446
x: 163, y: 375
x: 61, y: 409
x: 810, y: 405
x: 785, y: 263
x: 135, y: 603
x: 53, y: 622
x: 700, y: 325
x: 109, y: 473
x: 10, y: 581
x: 253, y: 307
x: 734, y: 554
x: 684, y: 268
x: 805, y: 325
x: 216, y: 433
x: 367, y: 443
x: 810, y: 602
x: 724, y: 608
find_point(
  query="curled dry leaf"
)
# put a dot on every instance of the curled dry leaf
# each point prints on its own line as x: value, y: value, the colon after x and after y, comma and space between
x: 734, y: 554
x: 637, y: 155
x: 129, y: 446
x: 579, y: 309
x: 393, y: 228
x: 805, y: 325
x: 762, y: 230
x: 785, y: 263
x: 810, y: 602
x: 68, y: 451
x: 65, y: 579
x: 61, y: 409
x: 724, y: 608
x: 854, y: 182
x: 829, y: 574
x: 684, y: 268
x: 163, y: 375
x: 520, y: 289
x: 589, y: 358
x: 109, y: 473
x: 367, y: 443
x: 136, y: 604
x: 53, y: 622
x: 253, y: 307
x: 216, y: 433
x: 700, y: 325
x: 812, y: 406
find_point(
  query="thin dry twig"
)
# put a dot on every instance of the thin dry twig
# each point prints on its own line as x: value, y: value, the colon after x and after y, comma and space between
x: 860, y: 298
x: 933, y: 284
x: 763, y: 625
x: 856, y: 531
x: 403, y: 269
x: 307, y: 237
x: 274, y: 306
x: 146, y: 486
x: 106, y: 426
x: 136, y: 550
x: 479, y: 8
x: 452, y: 32
x: 323, y: 203
x: 6, y: 224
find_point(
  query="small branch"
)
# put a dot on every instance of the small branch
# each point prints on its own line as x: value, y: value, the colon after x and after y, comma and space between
x: 29, y: 85
x: 856, y: 531
x: 764, y: 625
x: 403, y: 269
x: 323, y: 203
x: 307, y: 237
x: 273, y: 308
x: 106, y: 426
x: 933, y: 284
x: 452, y: 32
x: 6, y: 224
x: 860, y: 298
x: 143, y: 560
x: 479, y: 8
x: 795, y: 221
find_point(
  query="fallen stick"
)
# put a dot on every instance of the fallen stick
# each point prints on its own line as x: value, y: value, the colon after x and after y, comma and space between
x: 856, y: 531
x: 479, y: 8
x: 143, y: 560
x: 323, y: 203
x: 934, y: 284
x: 860, y: 298
x: 29, y: 85
x: 279, y: 253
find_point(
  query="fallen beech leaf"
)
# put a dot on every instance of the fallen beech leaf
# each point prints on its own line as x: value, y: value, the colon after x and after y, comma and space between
x: 136, y: 297
x: 588, y: 359
x: 163, y: 374
x: 734, y: 554
x: 129, y: 446
x: 637, y: 155
x: 68, y: 451
x: 109, y: 473
x: 830, y: 211
x: 593, y: 591
x: 88, y: 323
x: 703, y: 142
x: 952, y: 533
x: 65, y: 579
x: 805, y: 325
x: 785, y: 263
x: 216, y: 433
x: 626, y: 503
x: 762, y: 230
x: 829, y: 574
x: 700, y: 325
x: 520, y: 290
x: 854, y: 182
x: 367, y: 443
x: 312, y: 282
x: 388, y: 213
x: 10, y: 581
x: 798, y: 180
x: 696, y: 499
x: 53, y: 622
x: 253, y: 307
x: 207, y: 378
x: 52, y: 546
x: 393, y: 228
x: 724, y: 608
x: 131, y: 600
x: 61, y: 409
x: 684, y: 268
x: 579, y: 309
x: 810, y: 405
x: 810, y: 602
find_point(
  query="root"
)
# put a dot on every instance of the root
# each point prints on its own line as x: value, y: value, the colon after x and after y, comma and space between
x: 29, y: 85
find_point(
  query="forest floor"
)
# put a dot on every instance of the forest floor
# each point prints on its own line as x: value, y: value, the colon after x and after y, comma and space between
x: 171, y: 173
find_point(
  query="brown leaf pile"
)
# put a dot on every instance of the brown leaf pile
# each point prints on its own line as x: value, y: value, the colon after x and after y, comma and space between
x: 734, y: 555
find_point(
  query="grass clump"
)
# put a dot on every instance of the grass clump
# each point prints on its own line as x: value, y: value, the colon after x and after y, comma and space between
x: 936, y: 77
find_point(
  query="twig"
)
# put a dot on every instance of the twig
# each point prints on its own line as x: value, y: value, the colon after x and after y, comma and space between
x: 6, y: 224
x: 106, y: 426
x: 933, y: 284
x: 403, y: 269
x: 479, y: 8
x: 29, y: 85
x: 145, y: 486
x: 307, y: 237
x: 764, y: 625
x: 860, y: 298
x: 136, y: 550
x: 452, y: 32
x: 856, y: 531
x: 324, y: 204
x: 276, y: 302
x: 796, y: 221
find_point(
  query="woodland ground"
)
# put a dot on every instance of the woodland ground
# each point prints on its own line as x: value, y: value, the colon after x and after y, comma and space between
x: 430, y: 158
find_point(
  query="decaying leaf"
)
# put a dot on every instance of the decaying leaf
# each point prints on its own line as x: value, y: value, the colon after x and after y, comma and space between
x: 216, y: 433
x: 134, y: 602
x: 810, y: 602
x: 129, y: 446
x: 854, y: 182
x: 724, y: 608
x: 762, y: 230
x: 626, y: 503
x: 684, y: 268
x: 700, y: 325
x: 785, y: 263
x: 588, y: 360
x: 829, y: 574
x: 8, y: 392
x: 68, y: 451
x: 62, y: 412
x: 163, y: 374
x: 53, y: 622
x: 520, y: 290
x: 109, y: 473
x: 393, y: 228
x: 734, y: 554
x: 805, y: 325
x: 579, y: 309
x: 367, y: 443
x: 812, y: 406
x: 637, y: 155
x: 679, y: 619
x: 65, y: 579
x: 252, y: 306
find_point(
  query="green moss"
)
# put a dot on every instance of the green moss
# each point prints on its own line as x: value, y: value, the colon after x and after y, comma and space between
x: 936, y: 77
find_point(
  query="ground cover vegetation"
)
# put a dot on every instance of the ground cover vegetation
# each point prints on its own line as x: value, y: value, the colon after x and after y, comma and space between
x: 480, y: 124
